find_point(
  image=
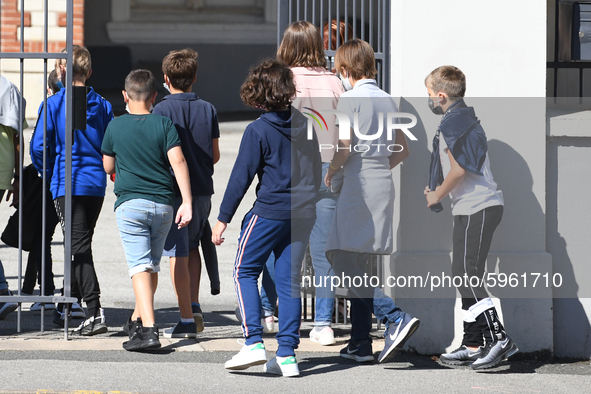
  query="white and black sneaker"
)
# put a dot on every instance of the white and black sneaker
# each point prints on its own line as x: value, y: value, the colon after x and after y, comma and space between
x: 93, y: 325
x: 495, y: 352
x: 461, y: 356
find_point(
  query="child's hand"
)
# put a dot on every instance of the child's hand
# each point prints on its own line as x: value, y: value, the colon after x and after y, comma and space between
x: 184, y: 214
x: 432, y: 198
x: 329, y: 174
x: 217, y: 231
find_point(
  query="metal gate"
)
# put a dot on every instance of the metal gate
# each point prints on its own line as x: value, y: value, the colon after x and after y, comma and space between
x: 45, y: 56
x: 368, y: 20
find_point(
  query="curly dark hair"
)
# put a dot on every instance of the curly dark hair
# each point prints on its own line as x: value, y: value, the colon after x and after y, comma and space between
x: 269, y: 86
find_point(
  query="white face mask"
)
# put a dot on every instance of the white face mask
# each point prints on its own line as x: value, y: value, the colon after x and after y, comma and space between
x: 345, y: 81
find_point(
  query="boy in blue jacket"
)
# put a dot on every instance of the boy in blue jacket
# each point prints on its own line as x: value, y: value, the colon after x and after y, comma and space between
x: 88, y: 182
x: 460, y: 165
x: 276, y: 149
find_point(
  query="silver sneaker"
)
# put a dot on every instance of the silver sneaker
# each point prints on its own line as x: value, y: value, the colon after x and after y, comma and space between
x: 461, y: 356
x: 495, y: 352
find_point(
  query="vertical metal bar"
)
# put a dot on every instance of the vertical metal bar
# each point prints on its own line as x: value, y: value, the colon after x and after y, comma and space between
x: 338, y: 18
x: 20, y: 164
x: 44, y: 192
x: 68, y: 172
x: 298, y: 10
x: 321, y: 24
x: 329, y: 21
x: 306, y: 10
x: 354, y: 18
x: 346, y: 20
x: 314, y: 12
x: 380, y: 31
x: 363, y: 20
x: 290, y: 7
x: 371, y: 23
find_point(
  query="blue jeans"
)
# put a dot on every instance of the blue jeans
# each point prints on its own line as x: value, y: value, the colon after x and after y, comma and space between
x: 268, y: 291
x: 364, y: 300
x: 325, y: 207
x: 143, y: 227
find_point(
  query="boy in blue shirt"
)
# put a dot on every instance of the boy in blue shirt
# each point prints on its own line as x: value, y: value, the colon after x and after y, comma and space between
x: 197, y: 125
x: 460, y: 167
x: 140, y: 148
x: 275, y: 148
x: 88, y: 182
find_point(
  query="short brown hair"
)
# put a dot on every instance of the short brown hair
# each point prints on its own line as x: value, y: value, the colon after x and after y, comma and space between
x: 448, y: 79
x: 302, y: 46
x: 140, y: 85
x: 82, y: 63
x: 269, y: 86
x: 181, y: 68
x: 358, y: 58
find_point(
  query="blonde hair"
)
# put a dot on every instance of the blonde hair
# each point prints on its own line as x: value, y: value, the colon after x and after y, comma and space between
x: 302, y: 46
x: 81, y: 65
x: 358, y: 58
x: 448, y: 79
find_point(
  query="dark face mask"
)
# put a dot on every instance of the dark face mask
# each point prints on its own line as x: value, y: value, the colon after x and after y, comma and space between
x: 436, y: 110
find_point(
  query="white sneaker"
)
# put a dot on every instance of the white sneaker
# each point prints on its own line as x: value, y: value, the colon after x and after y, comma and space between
x: 285, y: 366
x: 36, y: 307
x: 77, y: 311
x: 324, y: 337
x: 249, y: 355
x: 268, y: 324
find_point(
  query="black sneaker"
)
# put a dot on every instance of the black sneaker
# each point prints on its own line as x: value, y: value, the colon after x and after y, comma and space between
x: 360, y: 351
x: 142, y: 338
x: 396, y: 335
x: 461, y: 356
x: 198, y: 317
x: 94, y: 325
x: 7, y: 307
x: 59, y: 317
x: 181, y: 330
x: 127, y: 327
x: 495, y: 352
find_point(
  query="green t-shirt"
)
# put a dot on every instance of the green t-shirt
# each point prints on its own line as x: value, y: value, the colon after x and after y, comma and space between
x: 140, y: 145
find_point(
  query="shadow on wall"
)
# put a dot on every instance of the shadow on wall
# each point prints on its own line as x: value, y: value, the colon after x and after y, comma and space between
x: 571, y: 321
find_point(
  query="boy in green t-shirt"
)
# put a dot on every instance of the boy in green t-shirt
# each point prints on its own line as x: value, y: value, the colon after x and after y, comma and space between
x: 140, y: 148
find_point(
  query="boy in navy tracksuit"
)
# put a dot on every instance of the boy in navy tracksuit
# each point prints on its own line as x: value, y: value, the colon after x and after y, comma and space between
x: 277, y: 150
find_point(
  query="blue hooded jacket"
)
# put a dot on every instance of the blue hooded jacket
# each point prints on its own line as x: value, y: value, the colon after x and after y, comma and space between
x: 88, y: 176
x: 465, y: 139
x: 275, y: 148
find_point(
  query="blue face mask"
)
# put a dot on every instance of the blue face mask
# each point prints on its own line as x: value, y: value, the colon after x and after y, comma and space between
x: 59, y: 84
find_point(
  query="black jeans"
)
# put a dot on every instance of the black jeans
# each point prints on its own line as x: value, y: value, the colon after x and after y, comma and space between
x: 34, y: 268
x: 85, y: 213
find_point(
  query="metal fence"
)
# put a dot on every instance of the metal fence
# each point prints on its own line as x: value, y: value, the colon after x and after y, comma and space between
x: 368, y: 20
x: 46, y: 56
x: 568, y: 75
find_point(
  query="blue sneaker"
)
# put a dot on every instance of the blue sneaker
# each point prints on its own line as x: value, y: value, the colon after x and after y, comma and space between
x: 396, y: 335
x: 359, y: 351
